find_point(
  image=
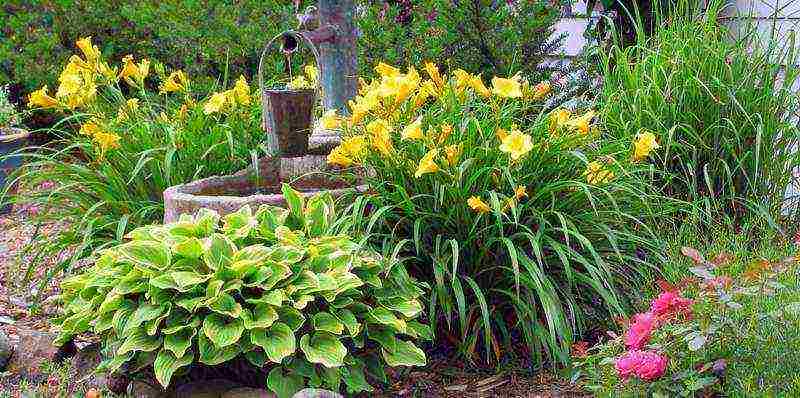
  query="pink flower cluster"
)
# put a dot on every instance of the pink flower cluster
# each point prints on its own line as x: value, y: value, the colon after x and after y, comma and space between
x: 649, y: 365
x: 646, y: 365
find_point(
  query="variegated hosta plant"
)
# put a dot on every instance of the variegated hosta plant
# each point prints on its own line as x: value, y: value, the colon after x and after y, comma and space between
x: 279, y: 287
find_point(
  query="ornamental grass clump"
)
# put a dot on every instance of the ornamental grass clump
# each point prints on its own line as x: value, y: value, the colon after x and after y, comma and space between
x: 127, y: 133
x: 526, y: 223
x: 286, y: 289
x: 719, y: 102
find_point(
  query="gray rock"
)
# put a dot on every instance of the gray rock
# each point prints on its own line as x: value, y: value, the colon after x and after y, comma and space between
x: 248, y: 393
x: 205, y: 389
x: 5, y: 351
x: 85, y: 362
x: 316, y: 393
x: 140, y: 389
x: 35, y: 348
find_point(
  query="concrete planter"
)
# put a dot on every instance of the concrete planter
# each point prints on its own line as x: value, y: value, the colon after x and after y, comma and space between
x: 227, y: 194
x: 11, y: 140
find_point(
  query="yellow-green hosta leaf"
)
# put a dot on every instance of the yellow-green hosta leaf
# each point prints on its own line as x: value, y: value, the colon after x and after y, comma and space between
x: 383, y: 316
x: 318, y: 215
x: 190, y: 303
x: 225, y: 304
x: 348, y: 320
x: 279, y: 272
x: 167, y: 363
x: 178, y: 323
x: 302, y: 301
x: 148, y: 254
x: 327, y: 283
x: 269, y: 218
x: 183, y: 228
x: 291, y: 317
x: 206, y: 221
x: 126, y: 309
x: 189, y: 248
x: 274, y: 297
x: 154, y: 324
x: 239, y: 225
x: 164, y: 281
x: 213, y: 355
x: 406, y: 354
x: 419, y: 331
x: 384, y: 337
x: 410, y: 308
x: 262, y: 316
x: 144, y: 313
x: 283, y: 385
x: 222, y: 331
x: 257, y: 275
x: 278, y: 341
x: 306, y: 282
x: 110, y: 303
x: 104, y: 322
x: 186, y: 280
x: 347, y: 281
x: 353, y: 377
x: 323, y: 348
x: 327, y: 322
x: 179, y: 342
x: 219, y: 252
x: 294, y: 200
x: 256, y: 357
x: 137, y: 341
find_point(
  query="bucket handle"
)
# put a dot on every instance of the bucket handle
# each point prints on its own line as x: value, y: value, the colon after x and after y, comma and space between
x: 300, y: 36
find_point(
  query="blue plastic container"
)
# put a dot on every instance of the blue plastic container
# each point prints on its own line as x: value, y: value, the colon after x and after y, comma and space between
x: 11, y: 140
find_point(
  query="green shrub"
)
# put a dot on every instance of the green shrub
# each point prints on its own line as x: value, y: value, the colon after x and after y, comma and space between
x: 525, y: 224
x: 9, y: 115
x: 721, y: 107
x: 121, y: 144
x: 279, y: 287
x: 495, y: 39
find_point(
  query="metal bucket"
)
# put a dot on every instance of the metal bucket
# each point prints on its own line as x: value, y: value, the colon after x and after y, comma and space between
x: 287, y: 118
x: 11, y: 140
x: 287, y: 115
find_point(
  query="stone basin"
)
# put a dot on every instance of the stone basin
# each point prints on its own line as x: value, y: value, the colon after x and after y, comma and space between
x: 227, y: 194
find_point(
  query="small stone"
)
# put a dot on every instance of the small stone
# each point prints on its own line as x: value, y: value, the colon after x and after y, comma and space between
x: 5, y: 351
x: 205, y: 389
x: 140, y: 389
x: 316, y: 393
x: 85, y: 362
x: 248, y: 393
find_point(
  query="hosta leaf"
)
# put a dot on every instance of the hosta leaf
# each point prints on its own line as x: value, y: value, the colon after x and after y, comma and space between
x: 294, y: 201
x: 383, y: 316
x: 327, y: 283
x: 113, y: 364
x: 323, y: 348
x: 257, y: 276
x: 219, y: 252
x: 164, y: 281
x: 269, y: 218
x: 110, y: 303
x: 143, y: 314
x: 256, y: 357
x: 349, y: 320
x: 275, y: 298
x: 284, y: 386
x: 138, y: 340
x: 327, y: 322
x: 302, y: 301
x: 292, y: 317
x: 185, y: 227
x: 262, y: 316
x: 406, y: 354
x: 410, y: 308
x: 186, y: 280
x: 257, y: 253
x: 384, y: 337
x: 225, y: 304
x: 354, y: 379
x: 152, y: 325
x: 347, y: 281
x: 331, y: 377
x: 278, y: 341
x: 104, y: 322
x: 318, y: 215
x: 126, y: 309
x: 306, y: 282
x: 213, y: 355
x: 279, y: 272
x: 287, y: 255
x: 190, y: 303
x: 222, y: 331
x: 206, y: 221
x: 166, y: 364
x: 420, y: 331
x: 179, y: 342
x: 148, y: 254
x: 238, y: 225
x: 178, y: 323
x: 189, y: 248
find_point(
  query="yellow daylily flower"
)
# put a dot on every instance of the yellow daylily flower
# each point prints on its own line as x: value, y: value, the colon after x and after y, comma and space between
x: 477, y: 204
x: 427, y: 164
x: 241, y: 91
x: 380, y: 130
x: 91, y: 52
x: 338, y: 157
x: 520, y: 192
x: 597, y: 173
x: 90, y: 128
x: 501, y: 133
x: 433, y: 73
x: 132, y: 72
x: 644, y: 144
x: 452, y: 153
x: 413, y: 131
x: 129, y: 108
x: 506, y: 88
x: 462, y: 78
x: 559, y: 118
x: 176, y: 81
x: 215, y: 103
x: 106, y: 141
x: 516, y: 144
x: 476, y: 82
x: 541, y: 90
x: 330, y: 120
x: 581, y: 123
x: 40, y: 99
x: 447, y: 129
x: 355, y: 146
x: 386, y: 70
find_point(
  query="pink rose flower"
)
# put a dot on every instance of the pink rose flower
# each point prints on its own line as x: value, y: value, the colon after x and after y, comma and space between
x: 671, y: 303
x: 646, y: 365
x: 638, y: 333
